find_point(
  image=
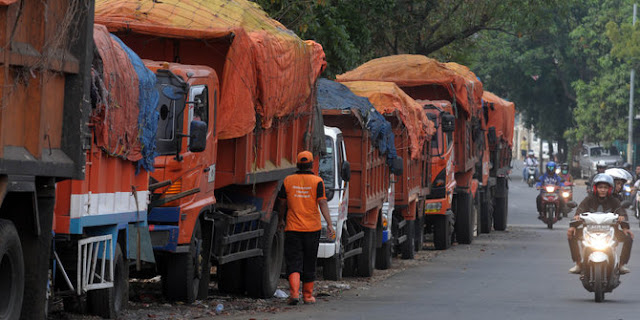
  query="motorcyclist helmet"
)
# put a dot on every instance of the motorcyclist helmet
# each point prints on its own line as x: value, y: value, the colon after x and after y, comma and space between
x: 601, y: 164
x: 551, y: 167
x: 565, y: 168
x: 619, y: 174
x: 531, y: 154
x: 602, y: 178
x: 627, y: 166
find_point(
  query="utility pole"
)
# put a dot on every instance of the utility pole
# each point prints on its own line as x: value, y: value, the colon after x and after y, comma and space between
x: 633, y: 75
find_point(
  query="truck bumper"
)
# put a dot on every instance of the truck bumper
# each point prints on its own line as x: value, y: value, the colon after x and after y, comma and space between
x: 326, y: 249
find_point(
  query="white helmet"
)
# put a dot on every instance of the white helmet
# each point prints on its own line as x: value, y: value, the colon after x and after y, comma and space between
x: 601, y: 164
x: 619, y: 174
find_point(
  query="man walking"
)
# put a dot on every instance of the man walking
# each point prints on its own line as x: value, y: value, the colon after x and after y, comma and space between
x: 299, y: 198
x: 524, y: 147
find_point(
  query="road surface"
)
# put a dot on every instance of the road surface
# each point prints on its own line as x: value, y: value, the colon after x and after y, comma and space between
x: 519, y: 274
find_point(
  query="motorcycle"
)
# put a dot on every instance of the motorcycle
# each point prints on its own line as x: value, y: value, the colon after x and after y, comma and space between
x: 600, y: 258
x: 567, y: 194
x: 550, y: 205
x: 531, y: 176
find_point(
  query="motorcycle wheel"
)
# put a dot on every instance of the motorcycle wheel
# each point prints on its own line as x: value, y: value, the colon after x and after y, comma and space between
x: 550, y: 215
x: 598, y: 286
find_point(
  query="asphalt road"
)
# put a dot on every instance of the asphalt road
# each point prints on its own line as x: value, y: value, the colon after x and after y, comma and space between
x: 518, y: 274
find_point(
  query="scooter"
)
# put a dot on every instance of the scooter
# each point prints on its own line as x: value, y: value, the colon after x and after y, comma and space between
x: 531, y: 176
x: 600, y: 258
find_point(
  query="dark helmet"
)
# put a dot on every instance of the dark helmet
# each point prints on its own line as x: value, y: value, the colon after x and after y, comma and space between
x: 627, y: 166
x: 551, y: 167
x: 565, y: 168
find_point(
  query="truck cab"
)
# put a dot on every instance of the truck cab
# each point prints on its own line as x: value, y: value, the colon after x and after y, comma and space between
x: 331, y: 251
x: 438, y: 212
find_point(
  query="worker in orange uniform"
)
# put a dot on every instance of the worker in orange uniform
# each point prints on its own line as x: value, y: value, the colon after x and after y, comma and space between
x: 299, y: 197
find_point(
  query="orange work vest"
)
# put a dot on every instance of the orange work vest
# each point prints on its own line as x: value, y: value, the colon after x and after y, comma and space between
x: 303, y: 191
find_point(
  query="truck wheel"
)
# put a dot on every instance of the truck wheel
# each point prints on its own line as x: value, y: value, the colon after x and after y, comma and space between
x: 486, y: 213
x: 418, y: 239
x: 464, y: 218
x: 184, y: 270
x: 367, y: 259
x: 263, y: 272
x: 383, y: 256
x: 231, y: 277
x: 441, y: 232
x: 107, y: 303
x: 11, y: 271
x: 407, y: 249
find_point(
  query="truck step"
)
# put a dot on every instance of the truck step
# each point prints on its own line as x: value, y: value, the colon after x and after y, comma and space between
x: 242, y: 236
x: 352, y: 253
x: 401, y: 239
x: 239, y: 256
x: 356, y: 237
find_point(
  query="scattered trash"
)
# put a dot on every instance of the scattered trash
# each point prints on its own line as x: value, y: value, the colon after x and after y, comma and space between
x: 280, y: 294
x: 219, y: 308
x: 344, y: 286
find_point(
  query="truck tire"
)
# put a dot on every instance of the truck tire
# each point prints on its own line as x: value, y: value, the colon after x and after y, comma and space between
x: 184, y: 270
x: 367, y: 259
x: 441, y: 232
x: 486, y: 213
x: 500, y: 211
x: 407, y: 249
x: 383, y: 256
x: 464, y: 218
x: 418, y: 238
x: 11, y: 271
x: 231, y: 277
x: 108, y: 303
x: 263, y: 272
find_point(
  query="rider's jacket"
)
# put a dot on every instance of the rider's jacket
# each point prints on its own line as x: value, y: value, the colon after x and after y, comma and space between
x: 530, y: 162
x: 546, y: 179
x: 593, y: 203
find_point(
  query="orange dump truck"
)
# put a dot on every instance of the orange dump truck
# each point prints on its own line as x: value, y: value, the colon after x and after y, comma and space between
x: 412, y: 132
x: 423, y: 78
x: 245, y: 84
x: 501, y: 114
x: 45, y: 73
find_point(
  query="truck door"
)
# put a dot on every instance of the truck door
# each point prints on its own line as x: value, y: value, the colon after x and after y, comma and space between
x: 201, y: 109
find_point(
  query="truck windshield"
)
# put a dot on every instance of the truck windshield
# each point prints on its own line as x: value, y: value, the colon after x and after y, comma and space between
x: 437, y: 143
x: 328, y: 168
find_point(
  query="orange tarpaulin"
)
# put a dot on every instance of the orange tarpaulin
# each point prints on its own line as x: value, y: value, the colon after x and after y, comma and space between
x: 388, y: 98
x: 473, y: 85
x: 501, y: 116
x: 265, y: 70
x: 417, y: 70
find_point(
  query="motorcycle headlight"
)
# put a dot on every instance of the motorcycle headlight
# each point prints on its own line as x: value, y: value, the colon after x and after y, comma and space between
x: 627, y: 188
x: 550, y: 189
x: 599, y: 240
x: 565, y: 194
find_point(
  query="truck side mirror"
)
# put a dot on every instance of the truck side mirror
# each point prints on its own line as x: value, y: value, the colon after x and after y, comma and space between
x: 397, y: 166
x: 345, y: 171
x: 198, y: 136
x: 448, y: 122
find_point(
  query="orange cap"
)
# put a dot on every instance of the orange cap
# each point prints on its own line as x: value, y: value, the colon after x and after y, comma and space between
x: 305, y: 157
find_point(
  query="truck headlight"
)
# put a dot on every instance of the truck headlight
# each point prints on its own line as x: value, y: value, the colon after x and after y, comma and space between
x: 433, y: 207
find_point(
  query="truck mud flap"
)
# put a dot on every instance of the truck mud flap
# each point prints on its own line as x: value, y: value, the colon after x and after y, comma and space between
x: 237, y: 233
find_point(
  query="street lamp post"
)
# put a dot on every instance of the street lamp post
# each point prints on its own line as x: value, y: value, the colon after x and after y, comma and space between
x: 633, y: 75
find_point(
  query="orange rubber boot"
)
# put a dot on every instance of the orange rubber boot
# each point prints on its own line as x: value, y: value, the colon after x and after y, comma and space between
x: 294, y: 288
x: 307, y: 292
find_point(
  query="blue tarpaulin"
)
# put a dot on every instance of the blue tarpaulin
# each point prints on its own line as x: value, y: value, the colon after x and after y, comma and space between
x: 334, y: 95
x: 148, y: 102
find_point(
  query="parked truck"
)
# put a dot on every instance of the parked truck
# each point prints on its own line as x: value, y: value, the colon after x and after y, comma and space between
x: 357, y: 169
x: 423, y: 78
x: 217, y: 206
x: 412, y: 134
x: 501, y: 114
x: 100, y: 224
x: 44, y: 107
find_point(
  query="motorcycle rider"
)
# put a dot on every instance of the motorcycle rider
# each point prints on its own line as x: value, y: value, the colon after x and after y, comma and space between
x: 549, y: 178
x: 620, y: 178
x: 564, y: 173
x: 530, y: 161
x: 601, y: 166
x: 601, y: 200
